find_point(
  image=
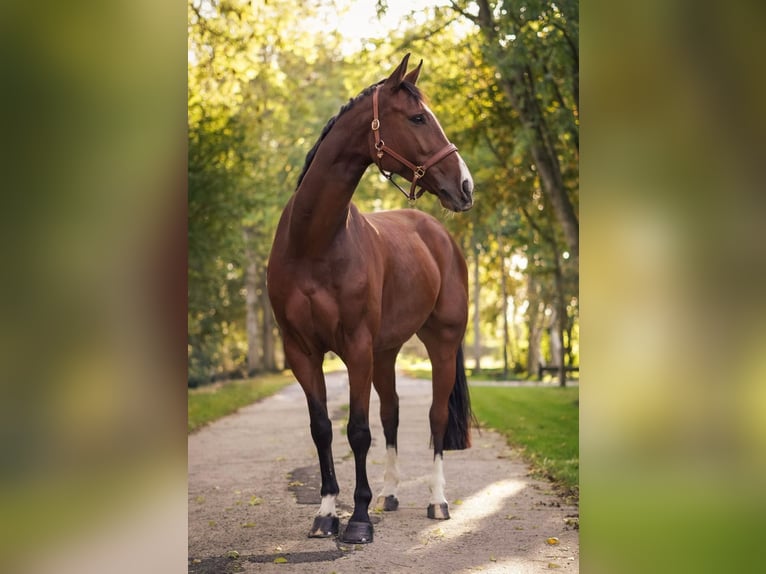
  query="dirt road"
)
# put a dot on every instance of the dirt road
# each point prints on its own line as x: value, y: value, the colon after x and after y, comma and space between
x: 254, y: 489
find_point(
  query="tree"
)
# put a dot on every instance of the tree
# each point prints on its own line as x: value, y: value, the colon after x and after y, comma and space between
x: 534, y: 48
x: 260, y: 89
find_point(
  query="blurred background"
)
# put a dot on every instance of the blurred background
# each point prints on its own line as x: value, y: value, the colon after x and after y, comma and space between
x: 137, y: 135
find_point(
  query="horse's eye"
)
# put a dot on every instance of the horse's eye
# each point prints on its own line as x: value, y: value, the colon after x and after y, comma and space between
x: 418, y: 119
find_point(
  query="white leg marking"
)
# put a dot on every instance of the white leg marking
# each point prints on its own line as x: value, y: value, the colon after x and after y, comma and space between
x: 437, y: 481
x: 391, y: 473
x: 327, y: 508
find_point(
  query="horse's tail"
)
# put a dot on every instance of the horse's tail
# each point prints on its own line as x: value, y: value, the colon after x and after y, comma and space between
x: 458, y: 433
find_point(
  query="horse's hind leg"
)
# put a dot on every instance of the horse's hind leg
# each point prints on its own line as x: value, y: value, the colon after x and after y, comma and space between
x: 446, y: 362
x: 308, y: 371
x: 384, y: 379
x: 443, y: 369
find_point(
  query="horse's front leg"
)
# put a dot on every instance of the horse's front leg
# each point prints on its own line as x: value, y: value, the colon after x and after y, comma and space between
x: 359, y: 363
x: 308, y: 371
x: 326, y: 522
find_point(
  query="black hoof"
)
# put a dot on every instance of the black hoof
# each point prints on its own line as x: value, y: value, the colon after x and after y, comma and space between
x: 388, y: 503
x: 358, y: 533
x: 324, y: 527
x: 440, y: 512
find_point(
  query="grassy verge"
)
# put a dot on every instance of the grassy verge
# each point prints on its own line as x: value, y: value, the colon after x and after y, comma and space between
x: 486, y: 375
x: 207, y: 404
x: 542, y: 422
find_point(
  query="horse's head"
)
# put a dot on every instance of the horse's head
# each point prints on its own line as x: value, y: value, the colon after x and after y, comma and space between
x: 407, y: 139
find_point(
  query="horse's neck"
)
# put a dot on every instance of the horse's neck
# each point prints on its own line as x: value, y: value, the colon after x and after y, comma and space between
x: 321, y: 202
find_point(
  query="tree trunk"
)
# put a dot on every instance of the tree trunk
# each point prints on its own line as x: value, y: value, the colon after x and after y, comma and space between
x: 560, y: 310
x: 546, y: 162
x: 269, y: 357
x: 504, y: 289
x: 476, y: 309
x: 533, y: 352
x: 553, y: 186
x: 535, y: 330
x: 557, y: 346
x: 251, y: 302
x: 568, y: 347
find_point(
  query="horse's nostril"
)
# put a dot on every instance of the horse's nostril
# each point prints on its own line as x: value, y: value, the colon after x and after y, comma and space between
x: 467, y: 187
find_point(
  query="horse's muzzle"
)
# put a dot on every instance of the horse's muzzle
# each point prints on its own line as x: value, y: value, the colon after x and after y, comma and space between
x: 467, y: 194
x: 456, y: 201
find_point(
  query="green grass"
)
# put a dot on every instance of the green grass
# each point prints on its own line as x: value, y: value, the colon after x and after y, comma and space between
x: 543, y: 423
x: 207, y: 404
x: 487, y: 375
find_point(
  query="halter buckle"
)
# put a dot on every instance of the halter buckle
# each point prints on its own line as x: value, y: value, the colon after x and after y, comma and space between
x: 379, y: 148
x: 375, y: 124
x: 419, y: 172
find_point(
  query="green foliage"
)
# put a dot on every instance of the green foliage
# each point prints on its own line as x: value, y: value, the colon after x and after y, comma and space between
x: 265, y: 77
x: 207, y: 404
x: 260, y: 89
x: 542, y: 422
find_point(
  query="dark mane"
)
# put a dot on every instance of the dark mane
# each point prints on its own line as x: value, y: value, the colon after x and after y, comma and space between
x: 411, y: 89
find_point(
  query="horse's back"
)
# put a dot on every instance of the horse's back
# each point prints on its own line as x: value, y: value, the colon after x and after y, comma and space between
x: 405, y: 230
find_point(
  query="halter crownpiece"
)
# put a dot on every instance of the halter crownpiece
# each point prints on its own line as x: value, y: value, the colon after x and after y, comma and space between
x: 418, y: 171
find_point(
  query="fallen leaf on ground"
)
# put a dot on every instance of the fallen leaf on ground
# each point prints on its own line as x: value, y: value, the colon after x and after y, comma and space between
x: 280, y: 560
x: 552, y: 541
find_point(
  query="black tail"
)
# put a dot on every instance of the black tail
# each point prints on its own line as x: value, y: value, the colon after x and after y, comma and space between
x: 458, y: 433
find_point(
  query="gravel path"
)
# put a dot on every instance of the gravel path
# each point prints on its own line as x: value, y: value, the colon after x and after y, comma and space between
x: 254, y: 489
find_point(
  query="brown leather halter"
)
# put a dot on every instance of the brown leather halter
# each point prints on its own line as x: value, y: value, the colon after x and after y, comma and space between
x: 418, y: 171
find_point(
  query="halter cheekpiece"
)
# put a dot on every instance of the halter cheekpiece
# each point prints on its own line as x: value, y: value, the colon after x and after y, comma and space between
x: 418, y: 171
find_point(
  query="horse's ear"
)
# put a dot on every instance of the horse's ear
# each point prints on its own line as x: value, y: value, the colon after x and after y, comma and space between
x: 396, y: 78
x: 412, y: 77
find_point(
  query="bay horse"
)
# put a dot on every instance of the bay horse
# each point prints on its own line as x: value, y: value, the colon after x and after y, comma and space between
x: 361, y: 285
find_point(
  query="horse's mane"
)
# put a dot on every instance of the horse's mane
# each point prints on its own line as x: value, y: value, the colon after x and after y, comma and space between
x: 408, y: 87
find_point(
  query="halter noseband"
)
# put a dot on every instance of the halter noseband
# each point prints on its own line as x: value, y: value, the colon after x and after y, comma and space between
x: 418, y: 171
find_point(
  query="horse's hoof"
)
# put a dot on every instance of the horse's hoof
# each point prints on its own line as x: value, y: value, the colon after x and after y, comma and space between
x: 358, y: 533
x: 324, y: 527
x: 440, y: 512
x: 388, y: 503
